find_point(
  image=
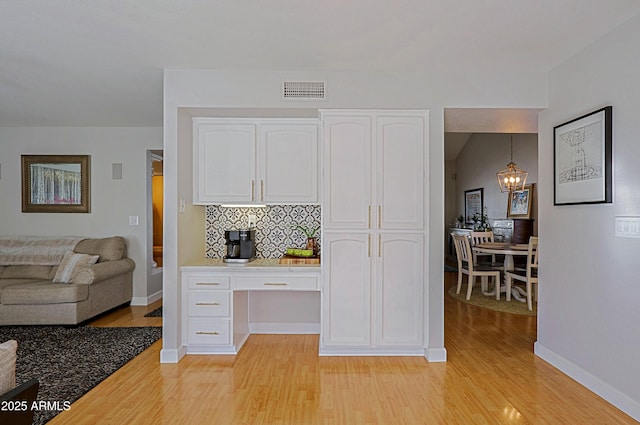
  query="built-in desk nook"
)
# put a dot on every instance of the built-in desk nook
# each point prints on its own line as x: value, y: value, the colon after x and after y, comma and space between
x: 222, y: 302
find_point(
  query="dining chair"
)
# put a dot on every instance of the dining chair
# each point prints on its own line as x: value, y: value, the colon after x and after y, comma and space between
x: 483, y: 237
x: 467, y: 266
x: 528, y: 275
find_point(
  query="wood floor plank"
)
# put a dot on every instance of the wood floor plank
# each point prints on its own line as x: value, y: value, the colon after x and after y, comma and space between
x: 492, y: 377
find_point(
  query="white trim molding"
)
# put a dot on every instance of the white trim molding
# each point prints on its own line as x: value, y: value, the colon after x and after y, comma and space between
x: 620, y: 400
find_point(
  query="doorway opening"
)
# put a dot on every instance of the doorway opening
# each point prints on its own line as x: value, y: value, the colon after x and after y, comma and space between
x: 156, y: 212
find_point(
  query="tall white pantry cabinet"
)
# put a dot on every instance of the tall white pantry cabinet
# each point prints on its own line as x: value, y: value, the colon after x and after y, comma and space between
x: 373, y: 231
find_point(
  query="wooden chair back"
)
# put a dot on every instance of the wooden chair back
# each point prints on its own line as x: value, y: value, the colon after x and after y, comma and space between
x: 463, y: 251
x: 481, y: 237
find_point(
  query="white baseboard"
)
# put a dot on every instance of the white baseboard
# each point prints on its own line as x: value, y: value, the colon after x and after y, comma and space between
x: 147, y: 300
x: 284, y: 328
x: 606, y: 391
x: 435, y: 355
x: 369, y: 351
x: 172, y: 355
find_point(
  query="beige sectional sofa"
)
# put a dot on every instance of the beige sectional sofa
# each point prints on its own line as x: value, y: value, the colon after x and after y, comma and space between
x: 60, y: 281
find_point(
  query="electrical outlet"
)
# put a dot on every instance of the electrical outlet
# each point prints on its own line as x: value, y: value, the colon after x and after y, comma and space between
x: 252, y: 220
x: 133, y: 220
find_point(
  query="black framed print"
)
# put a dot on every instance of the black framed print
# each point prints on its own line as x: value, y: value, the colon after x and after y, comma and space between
x: 583, y: 159
x: 473, y: 204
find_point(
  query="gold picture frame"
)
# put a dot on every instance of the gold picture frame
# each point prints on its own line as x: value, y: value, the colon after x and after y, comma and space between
x: 520, y: 202
x: 56, y: 183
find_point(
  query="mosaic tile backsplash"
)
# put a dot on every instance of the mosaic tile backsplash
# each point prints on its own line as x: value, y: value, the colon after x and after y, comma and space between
x: 274, y: 227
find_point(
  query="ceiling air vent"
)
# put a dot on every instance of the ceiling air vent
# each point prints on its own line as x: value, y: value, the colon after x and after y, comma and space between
x: 303, y: 90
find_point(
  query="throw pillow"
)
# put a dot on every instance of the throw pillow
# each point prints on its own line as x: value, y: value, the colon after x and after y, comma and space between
x: 8, y: 366
x: 71, y: 265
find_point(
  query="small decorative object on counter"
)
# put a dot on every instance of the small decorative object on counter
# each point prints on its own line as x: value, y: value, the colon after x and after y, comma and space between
x: 312, y: 243
x: 481, y: 222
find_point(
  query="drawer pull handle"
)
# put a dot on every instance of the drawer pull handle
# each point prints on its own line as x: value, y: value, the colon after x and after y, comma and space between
x: 207, y: 303
x: 275, y: 284
x: 207, y: 284
x: 207, y: 333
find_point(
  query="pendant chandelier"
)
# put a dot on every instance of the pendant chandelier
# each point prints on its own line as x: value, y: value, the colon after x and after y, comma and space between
x: 512, y: 177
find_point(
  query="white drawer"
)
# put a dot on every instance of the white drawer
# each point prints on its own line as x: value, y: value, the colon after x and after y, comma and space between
x: 209, y: 332
x: 206, y: 281
x: 208, y: 303
x: 276, y: 283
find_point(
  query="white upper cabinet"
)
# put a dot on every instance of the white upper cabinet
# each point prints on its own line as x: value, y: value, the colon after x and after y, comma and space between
x: 224, y: 162
x: 347, y: 178
x: 255, y: 161
x: 288, y: 166
x: 400, y: 172
x: 374, y: 170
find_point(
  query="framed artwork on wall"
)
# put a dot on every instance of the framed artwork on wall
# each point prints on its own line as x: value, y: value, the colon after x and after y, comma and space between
x: 582, y: 161
x: 56, y: 183
x: 473, y: 204
x: 520, y: 202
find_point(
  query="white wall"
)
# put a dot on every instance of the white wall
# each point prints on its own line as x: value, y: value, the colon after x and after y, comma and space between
x: 260, y: 90
x: 589, y: 286
x: 482, y: 157
x: 112, y: 201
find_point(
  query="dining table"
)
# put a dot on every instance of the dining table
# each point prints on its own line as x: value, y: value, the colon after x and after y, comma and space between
x: 509, y: 250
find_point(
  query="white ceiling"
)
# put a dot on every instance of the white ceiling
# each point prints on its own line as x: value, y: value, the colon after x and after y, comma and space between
x: 99, y: 62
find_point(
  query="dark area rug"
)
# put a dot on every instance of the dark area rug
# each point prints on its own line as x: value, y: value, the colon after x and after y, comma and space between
x: 70, y: 362
x: 155, y: 313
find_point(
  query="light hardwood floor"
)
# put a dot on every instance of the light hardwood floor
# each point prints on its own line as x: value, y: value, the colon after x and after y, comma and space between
x: 492, y: 377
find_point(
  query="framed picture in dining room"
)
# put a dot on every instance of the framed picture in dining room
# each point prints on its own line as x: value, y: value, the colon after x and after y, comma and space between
x: 583, y: 159
x: 520, y: 202
x: 473, y: 204
x: 56, y: 183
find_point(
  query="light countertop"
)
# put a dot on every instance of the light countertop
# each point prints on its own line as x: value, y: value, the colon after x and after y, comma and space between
x: 257, y: 263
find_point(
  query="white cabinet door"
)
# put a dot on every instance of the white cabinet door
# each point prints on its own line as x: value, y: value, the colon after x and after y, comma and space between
x: 400, y: 172
x: 288, y: 163
x: 346, y: 318
x: 347, y: 167
x: 224, y: 159
x: 399, y: 289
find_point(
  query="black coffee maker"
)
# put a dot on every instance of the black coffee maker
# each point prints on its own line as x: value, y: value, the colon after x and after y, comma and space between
x: 241, y: 245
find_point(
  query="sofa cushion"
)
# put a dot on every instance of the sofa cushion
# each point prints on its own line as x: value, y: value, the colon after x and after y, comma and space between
x: 71, y: 265
x: 113, y: 248
x: 26, y: 272
x: 8, y: 353
x: 44, y: 292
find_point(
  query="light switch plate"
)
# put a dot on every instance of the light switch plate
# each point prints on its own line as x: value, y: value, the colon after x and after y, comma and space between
x: 133, y: 220
x: 628, y: 227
